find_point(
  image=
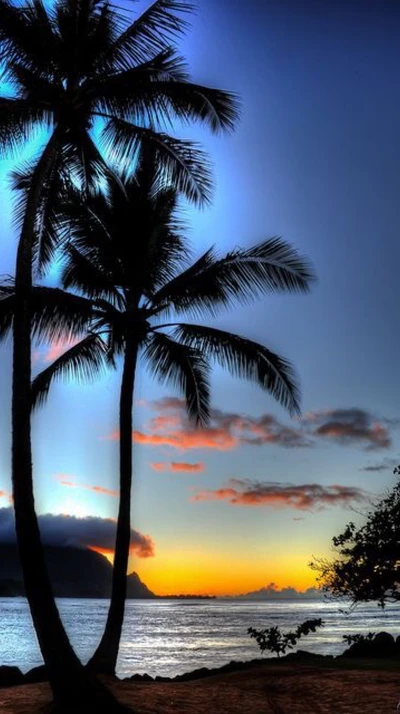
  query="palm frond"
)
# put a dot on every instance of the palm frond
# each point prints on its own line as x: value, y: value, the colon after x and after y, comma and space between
x: 27, y: 34
x: 116, y: 92
x: 90, y: 275
x: 7, y: 309
x: 56, y: 315
x: 83, y: 362
x: 84, y: 160
x: 50, y: 222
x: 59, y: 315
x: 183, y: 367
x: 240, y: 276
x: 182, y: 163
x: 245, y: 358
x: 19, y: 121
x: 159, y: 243
x: 151, y: 32
x: 190, y: 102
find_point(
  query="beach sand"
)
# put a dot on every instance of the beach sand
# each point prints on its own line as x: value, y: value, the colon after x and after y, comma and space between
x: 260, y: 690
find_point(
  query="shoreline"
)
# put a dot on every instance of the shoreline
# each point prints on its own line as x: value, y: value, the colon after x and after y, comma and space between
x: 11, y: 676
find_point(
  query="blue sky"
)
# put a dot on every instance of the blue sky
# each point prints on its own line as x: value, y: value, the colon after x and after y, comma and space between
x: 315, y: 160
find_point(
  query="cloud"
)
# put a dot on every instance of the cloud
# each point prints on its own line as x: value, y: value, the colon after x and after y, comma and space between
x: 190, y: 439
x: 178, y: 466
x: 65, y: 481
x: 225, y: 432
x: 385, y: 465
x: 246, y: 492
x: 228, y: 430
x: 89, y: 532
x: 350, y: 426
x: 272, y: 592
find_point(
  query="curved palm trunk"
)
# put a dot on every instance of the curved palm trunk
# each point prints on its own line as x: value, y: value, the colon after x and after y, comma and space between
x: 73, y: 688
x: 104, y: 660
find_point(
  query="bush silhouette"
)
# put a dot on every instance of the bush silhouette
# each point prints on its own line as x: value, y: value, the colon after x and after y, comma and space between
x: 273, y: 640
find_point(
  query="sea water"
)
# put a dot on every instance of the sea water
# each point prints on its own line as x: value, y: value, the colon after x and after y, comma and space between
x: 169, y: 637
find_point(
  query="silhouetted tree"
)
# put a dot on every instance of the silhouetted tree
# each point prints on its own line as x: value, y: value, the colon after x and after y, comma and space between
x: 65, y: 66
x: 367, y: 563
x: 126, y: 281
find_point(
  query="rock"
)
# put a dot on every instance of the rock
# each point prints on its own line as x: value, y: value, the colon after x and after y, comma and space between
x: 303, y: 654
x: 10, y: 676
x: 139, y: 678
x: 359, y: 650
x: 382, y: 646
x: 195, y: 674
x: 36, y: 675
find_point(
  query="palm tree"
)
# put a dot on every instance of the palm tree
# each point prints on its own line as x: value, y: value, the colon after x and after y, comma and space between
x: 125, y: 281
x: 66, y: 67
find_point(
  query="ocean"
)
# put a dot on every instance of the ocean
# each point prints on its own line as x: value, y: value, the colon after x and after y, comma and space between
x: 169, y: 637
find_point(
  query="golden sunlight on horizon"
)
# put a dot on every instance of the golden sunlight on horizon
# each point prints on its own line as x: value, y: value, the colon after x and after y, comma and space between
x: 210, y: 574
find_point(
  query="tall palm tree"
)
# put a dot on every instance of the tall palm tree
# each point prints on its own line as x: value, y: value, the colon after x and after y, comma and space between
x: 66, y: 66
x: 126, y: 282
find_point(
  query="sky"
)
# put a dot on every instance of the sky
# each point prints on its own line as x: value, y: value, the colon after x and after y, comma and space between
x: 314, y: 159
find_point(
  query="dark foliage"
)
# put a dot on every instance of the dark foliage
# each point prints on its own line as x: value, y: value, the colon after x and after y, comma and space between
x: 367, y: 563
x: 273, y: 640
x: 351, y: 639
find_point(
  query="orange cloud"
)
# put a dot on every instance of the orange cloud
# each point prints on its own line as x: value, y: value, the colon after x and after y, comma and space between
x: 183, y: 440
x: 143, y: 549
x: 8, y: 496
x: 180, y: 439
x: 225, y: 432
x: 96, y: 489
x: 244, y: 492
x: 178, y: 466
x: 100, y: 489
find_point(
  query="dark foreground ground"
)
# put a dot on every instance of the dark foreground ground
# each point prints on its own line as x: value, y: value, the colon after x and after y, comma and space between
x: 269, y: 688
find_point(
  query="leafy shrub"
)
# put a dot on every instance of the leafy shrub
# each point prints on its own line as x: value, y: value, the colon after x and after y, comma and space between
x: 273, y: 640
x: 351, y: 639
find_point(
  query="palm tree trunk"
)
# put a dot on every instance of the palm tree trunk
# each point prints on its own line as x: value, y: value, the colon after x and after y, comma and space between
x: 73, y: 688
x: 104, y: 660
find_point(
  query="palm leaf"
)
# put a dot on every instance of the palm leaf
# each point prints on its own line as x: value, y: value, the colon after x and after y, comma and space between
x: 90, y: 275
x: 27, y: 34
x: 7, y: 308
x: 56, y: 314
x: 50, y: 222
x: 19, y: 120
x: 151, y: 32
x: 85, y: 162
x: 183, y: 367
x: 126, y: 91
x: 245, y: 358
x: 83, y: 362
x: 182, y: 163
x: 59, y: 315
x: 240, y: 276
x: 189, y: 102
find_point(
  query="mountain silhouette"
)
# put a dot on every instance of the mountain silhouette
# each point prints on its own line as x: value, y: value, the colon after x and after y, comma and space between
x: 74, y: 572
